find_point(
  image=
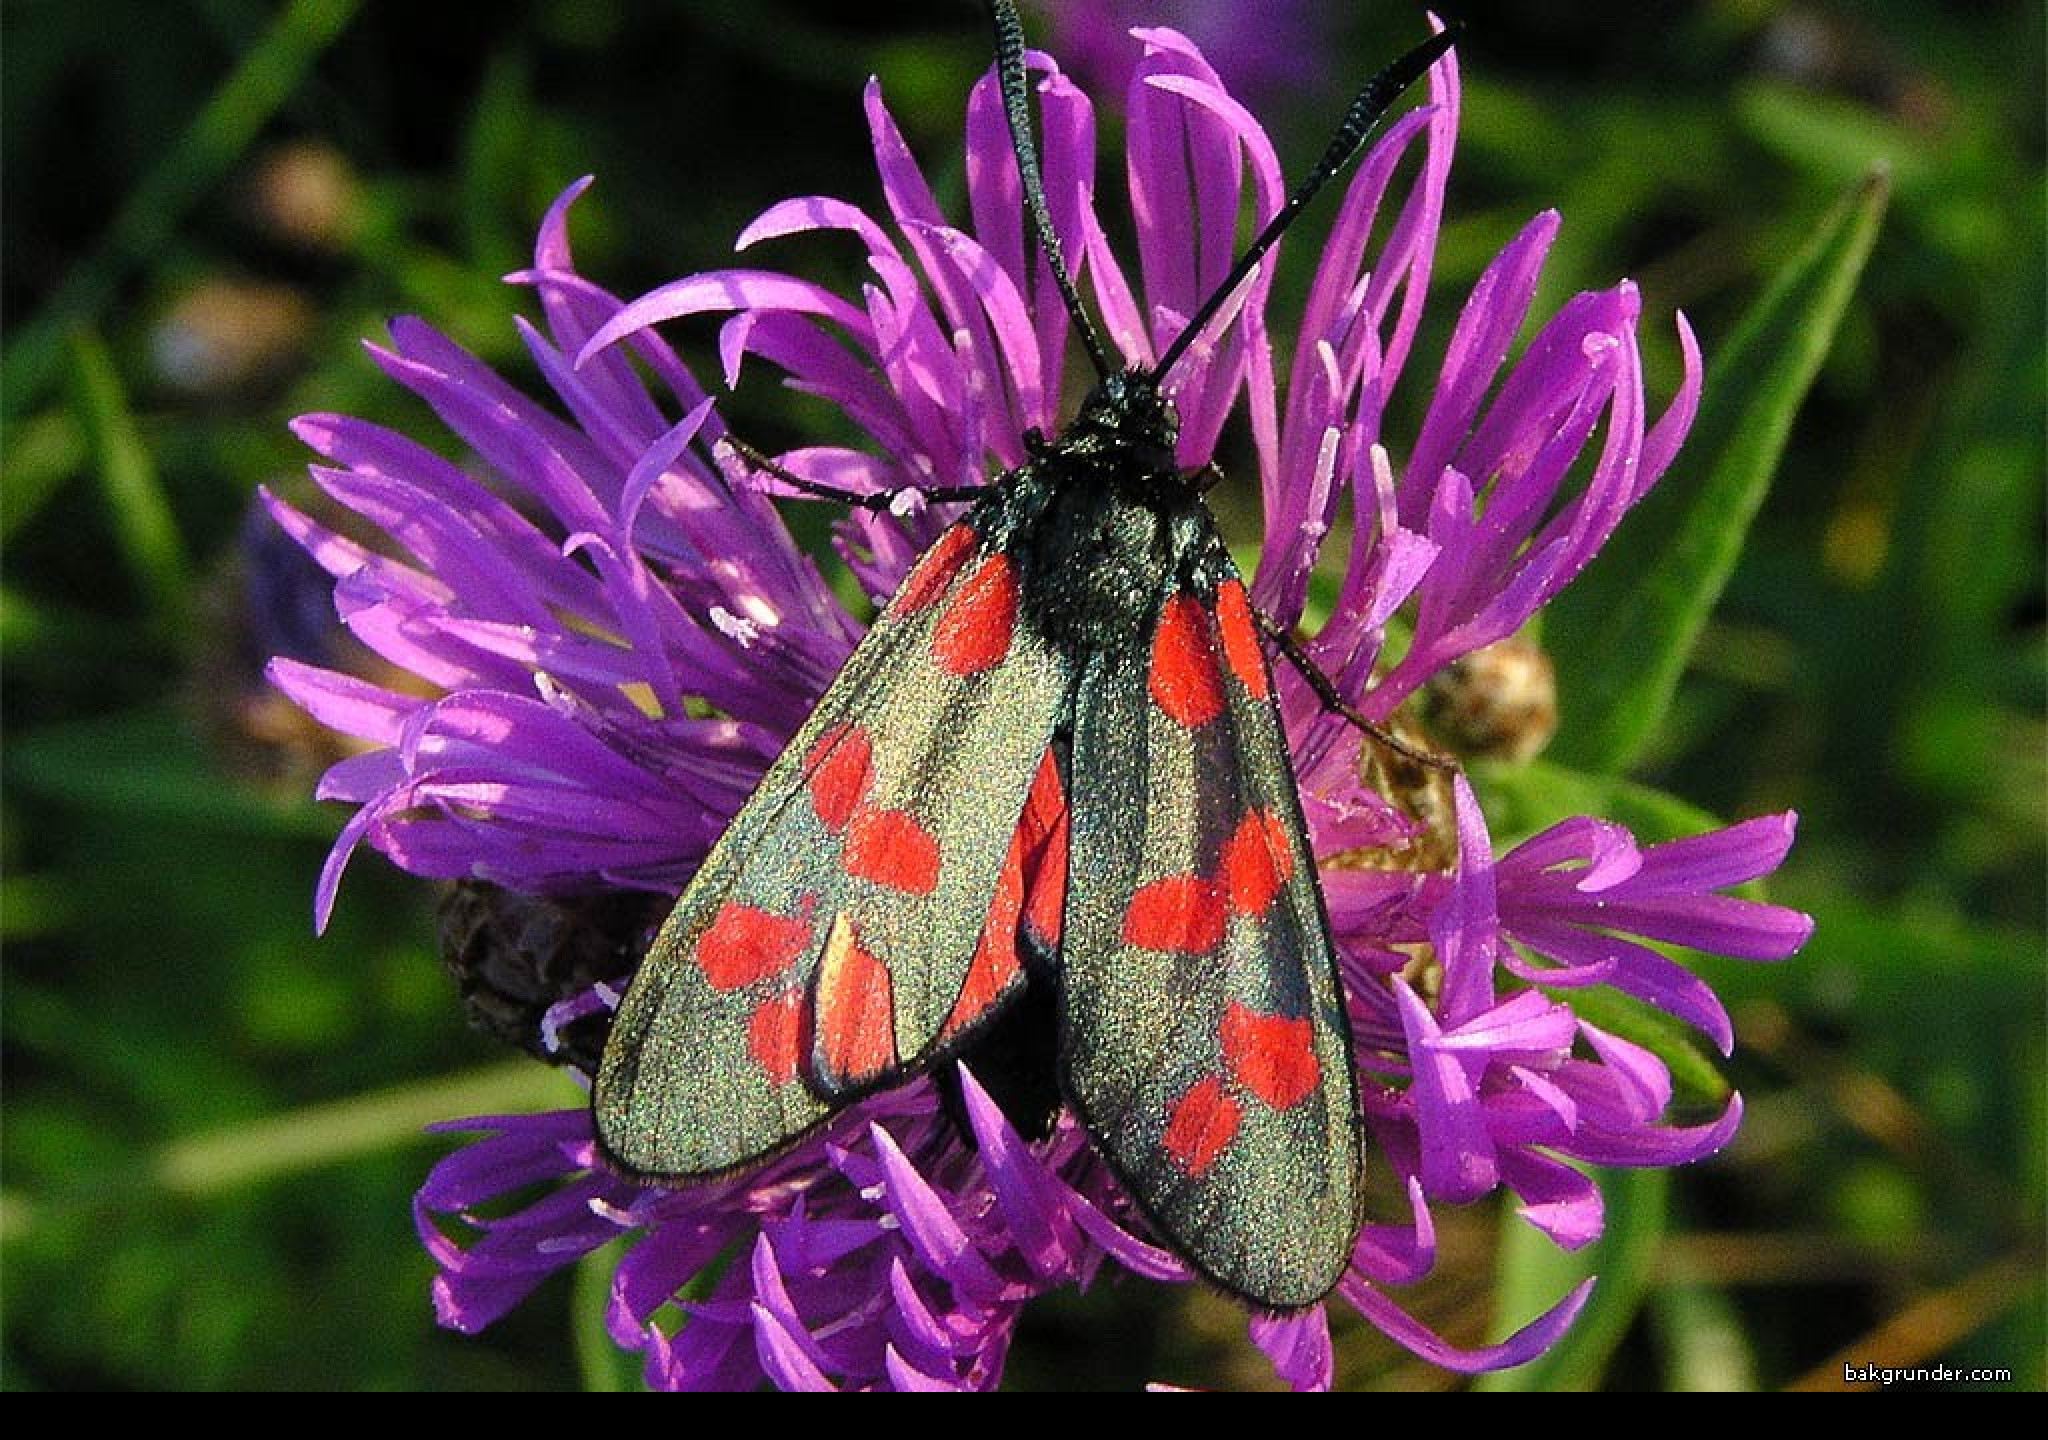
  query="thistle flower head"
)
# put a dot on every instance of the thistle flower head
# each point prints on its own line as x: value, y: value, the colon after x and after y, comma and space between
x: 614, y: 634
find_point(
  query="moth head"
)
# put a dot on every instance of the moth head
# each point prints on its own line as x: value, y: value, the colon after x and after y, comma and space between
x: 1127, y: 412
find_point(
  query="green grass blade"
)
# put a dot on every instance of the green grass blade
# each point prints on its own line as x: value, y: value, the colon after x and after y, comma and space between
x: 32, y: 906
x: 266, y: 1149
x: 150, y: 213
x: 1636, y: 625
x: 1706, y: 1349
x: 605, y: 1368
x: 144, y: 527
x: 43, y: 451
x: 151, y: 764
x: 1534, y: 1272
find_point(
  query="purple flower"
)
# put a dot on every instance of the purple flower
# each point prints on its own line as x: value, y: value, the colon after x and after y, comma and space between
x: 616, y: 634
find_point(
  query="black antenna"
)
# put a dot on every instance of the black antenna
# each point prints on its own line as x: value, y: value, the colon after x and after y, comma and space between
x: 1016, y: 104
x: 1364, y: 113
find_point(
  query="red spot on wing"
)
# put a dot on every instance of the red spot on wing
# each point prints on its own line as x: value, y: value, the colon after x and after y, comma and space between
x: 1257, y: 862
x: 1203, y: 1123
x: 1241, y: 640
x: 935, y: 570
x: 1273, y: 1056
x: 1181, y: 912
x: 842, y: 766
x: 1045, y: 856
x: 775, y: 1036
x: 743, y: 945
x: 1185, y: 681
x: 1029, y: 901
x: 891, y: 848
x: 994, y: 966
x: 855, y: 1010
x: 975, y: 631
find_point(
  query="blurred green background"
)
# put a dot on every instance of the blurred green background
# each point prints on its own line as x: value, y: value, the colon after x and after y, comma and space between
x: 212, y: 1120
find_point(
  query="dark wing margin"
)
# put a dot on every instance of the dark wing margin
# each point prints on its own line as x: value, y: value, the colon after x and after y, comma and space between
x: 1203, y: 1036
x: 861, y: 913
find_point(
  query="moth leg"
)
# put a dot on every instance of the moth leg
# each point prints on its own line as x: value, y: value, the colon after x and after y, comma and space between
x: 1326, y: 691
x: 871, y: 500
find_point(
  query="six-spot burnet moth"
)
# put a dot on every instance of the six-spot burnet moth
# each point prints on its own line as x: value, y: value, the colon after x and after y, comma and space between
x: 1051, y: 779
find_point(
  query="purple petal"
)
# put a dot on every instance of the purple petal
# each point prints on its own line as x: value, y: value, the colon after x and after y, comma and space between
x: 1148, y: 1261
x: 1656, y: 1145
x: 654, y: 463
x: 1590, y: 958
x: 1720, y: 858
x: 719, y: 291
x: 806, y: 213
x: 342, y: 702
x: 1643, y: 1082
x: 1466, y: 928
x: 1038, y: 1222
x: 1557, y: 1199
x: 1660, y: 446
x: 1518, y: 1349
x: 784, y: 1356
x: 1525, y: 1021
x: 929, y: 1225
x: 1458, y: 1161
x: 1299, y: 1347
x: 1487, y: 326
x: 914, y: 1329
x: 907, y: 1378
x: 1399, y: 1254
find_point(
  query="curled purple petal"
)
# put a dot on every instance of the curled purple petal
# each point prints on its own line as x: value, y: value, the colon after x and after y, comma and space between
x: 1556, y: 1198
x: 1518, y: 1349
x: 784, y: 1357
x: 1299, y: 1347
